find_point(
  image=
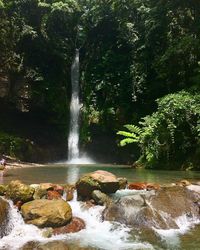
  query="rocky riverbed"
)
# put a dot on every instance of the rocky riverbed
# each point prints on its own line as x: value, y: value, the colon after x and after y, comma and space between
x: 142, y: 208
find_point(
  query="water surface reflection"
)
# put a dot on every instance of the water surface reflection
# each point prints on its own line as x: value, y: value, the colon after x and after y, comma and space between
x: 70, y: 174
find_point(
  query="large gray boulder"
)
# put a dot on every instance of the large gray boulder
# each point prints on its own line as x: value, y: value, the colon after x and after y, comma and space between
x: 158, y: 209
x: 101, y: 180
x: 47, y: 213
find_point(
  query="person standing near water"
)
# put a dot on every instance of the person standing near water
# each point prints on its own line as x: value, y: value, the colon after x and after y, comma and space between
x: 2, y: 164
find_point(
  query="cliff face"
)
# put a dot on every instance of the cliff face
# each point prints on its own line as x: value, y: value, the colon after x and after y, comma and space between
x: 27, y: 133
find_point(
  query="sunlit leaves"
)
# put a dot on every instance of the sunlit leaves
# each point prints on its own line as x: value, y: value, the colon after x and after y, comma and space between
x: 172, y: 133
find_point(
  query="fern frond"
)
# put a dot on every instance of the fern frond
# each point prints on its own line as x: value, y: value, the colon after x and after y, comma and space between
x: 126, y: 141
x: 133, y: 128
x: 127, y: 134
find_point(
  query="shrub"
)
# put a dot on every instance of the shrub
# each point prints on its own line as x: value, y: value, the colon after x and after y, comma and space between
x: 169, y: 137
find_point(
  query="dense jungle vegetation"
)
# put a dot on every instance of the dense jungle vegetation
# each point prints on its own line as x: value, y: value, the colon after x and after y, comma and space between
x: 140, y: 64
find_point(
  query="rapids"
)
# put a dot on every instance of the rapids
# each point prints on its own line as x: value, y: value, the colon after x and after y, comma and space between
x: 99, y: 234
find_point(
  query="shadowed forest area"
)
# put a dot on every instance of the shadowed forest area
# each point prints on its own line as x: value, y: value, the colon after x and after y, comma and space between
x: 139, y: 65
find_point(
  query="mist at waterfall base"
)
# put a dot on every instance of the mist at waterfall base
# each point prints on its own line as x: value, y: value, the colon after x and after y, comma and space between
x: 98, y: 234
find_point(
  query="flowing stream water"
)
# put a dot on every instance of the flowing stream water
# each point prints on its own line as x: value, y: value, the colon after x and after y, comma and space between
x: 99, y: 234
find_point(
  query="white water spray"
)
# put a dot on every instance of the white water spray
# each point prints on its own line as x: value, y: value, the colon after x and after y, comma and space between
x: 101, y: 234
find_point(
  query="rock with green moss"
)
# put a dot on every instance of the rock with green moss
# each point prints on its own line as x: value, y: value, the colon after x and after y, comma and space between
x: 101, y: 180
x: 18, y: 191
x: 3, y: 189
x: 122, y: 182
x: 39, y: 193
x: 101, y: 198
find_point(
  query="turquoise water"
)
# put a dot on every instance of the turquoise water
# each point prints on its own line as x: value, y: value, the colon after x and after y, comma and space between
x: 58, y: 173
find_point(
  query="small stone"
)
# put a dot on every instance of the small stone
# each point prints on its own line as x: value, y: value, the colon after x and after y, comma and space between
x: 53, y: 195
x: 47, y: 233
x: 183, y: 183
x: 75, y: 225
x: 137, y: 186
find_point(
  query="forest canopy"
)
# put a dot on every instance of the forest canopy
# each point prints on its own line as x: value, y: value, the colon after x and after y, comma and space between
x: 137, y: 57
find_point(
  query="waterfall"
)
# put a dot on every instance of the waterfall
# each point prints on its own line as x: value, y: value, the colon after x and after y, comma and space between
x: 73, y: 139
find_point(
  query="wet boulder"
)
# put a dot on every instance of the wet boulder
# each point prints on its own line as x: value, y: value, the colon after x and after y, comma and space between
x: 69, y: 191
x: 52, y: 187
x: 18, y: 191
x: 101, y: 180
x: 47, y: 213
x: 75, y: 225
x: 39, y: 193
x: 55, y: 245
x: 52, y: 245
x: 3, y: 189
x: 122, y: 182
x: 183, y: 183
x: 101, y: 198
x: 176, y: 201
x: 47, y: 191
x: 195, y: 188
x: 159, y: 209
x: 4, y: 207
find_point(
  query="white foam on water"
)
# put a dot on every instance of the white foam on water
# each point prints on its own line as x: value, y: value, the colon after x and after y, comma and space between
x: 126, y: 192
x: 98, y: 233
x: 81, y: 160
x: 171, y: 236
x: 103, y: 234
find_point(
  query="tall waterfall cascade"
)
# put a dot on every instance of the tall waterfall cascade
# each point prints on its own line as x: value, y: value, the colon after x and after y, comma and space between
x: 75, y: 106
x: 73, y: 139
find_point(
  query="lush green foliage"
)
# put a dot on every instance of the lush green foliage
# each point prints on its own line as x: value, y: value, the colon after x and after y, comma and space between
x: 169, y: 137
x: 15, y: 146
x: 132, y: 52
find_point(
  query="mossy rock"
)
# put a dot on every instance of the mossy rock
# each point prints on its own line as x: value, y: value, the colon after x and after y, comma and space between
x: 3, y: 189
x: 104, y: 181
x: 18, y: 191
